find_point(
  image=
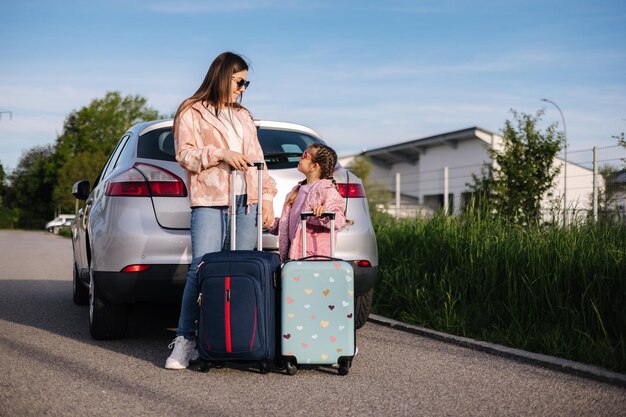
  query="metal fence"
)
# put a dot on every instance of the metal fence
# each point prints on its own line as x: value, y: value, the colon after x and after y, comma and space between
x: 591, y: 184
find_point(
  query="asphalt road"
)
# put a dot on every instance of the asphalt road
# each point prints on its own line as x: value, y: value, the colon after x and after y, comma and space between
x: 49, y: 365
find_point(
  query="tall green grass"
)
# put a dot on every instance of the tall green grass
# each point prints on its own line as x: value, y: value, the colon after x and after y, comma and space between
x: 555, y: 290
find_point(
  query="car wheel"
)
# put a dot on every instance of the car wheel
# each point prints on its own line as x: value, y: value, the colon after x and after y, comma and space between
x: 79, y: 291
x: 362, y: 307
x: 106, y: 320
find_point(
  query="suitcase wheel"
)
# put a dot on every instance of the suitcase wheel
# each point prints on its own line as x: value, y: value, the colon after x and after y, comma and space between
x: 264, y: 367
x: 204, y: 366
x: 344, y: 367
x: 291, y: 367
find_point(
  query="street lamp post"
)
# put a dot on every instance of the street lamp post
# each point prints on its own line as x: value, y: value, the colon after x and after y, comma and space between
x: 565, y: 161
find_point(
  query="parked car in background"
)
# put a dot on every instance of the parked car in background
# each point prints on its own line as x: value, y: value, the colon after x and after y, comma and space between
x: 62, y: 220
x: 131, y: 240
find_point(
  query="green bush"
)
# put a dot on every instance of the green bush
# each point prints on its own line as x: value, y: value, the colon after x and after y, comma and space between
x: 544, y: 288
x: 7, y: 218
x: 65, y: 232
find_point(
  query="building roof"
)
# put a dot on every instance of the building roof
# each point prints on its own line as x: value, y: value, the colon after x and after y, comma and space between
x: 409, y: 152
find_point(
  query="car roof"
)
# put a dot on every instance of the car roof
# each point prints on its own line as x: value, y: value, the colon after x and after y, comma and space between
x: 146, y: 127
x: 287, y: 126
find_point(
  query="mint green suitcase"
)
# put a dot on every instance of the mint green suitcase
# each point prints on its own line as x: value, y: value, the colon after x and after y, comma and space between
x: 317, y: 310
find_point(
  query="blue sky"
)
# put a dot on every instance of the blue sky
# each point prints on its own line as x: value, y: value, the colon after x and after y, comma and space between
x: 362, y: 73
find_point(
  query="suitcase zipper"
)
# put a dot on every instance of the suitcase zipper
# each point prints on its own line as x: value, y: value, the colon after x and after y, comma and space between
x: 229, y: 343
x: 253, y: 330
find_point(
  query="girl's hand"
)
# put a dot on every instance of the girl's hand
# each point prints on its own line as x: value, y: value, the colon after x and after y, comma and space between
x: 267, y: 213
x: 236, y: 160
x: 318, y: 210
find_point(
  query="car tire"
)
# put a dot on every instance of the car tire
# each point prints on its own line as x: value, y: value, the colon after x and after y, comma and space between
x: 106, y: 320
x: 80, y: 293
x: 362, y: 307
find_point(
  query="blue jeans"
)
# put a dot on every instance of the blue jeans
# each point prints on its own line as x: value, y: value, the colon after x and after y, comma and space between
x: 210, y: 232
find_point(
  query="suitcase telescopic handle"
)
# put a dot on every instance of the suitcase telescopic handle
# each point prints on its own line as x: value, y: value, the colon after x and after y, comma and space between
x: 303, y: 218
x: 260, y: 166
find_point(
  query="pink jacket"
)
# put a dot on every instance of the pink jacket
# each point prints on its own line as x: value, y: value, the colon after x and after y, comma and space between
x: 324, y: 193
x: 200, y: 140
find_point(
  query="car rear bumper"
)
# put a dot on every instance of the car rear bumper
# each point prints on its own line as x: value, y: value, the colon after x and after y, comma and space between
x: 160, y: 283
x: 165, y: 284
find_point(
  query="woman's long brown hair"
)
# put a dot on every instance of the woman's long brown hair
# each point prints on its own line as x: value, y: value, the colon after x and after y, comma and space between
x: 216, y: 86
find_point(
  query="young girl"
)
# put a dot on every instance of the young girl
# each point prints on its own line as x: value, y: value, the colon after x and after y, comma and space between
x: 318, y: 193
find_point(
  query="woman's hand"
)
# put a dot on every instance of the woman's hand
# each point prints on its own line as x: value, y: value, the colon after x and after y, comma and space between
x: 267, y: 213
x: 236, y: 160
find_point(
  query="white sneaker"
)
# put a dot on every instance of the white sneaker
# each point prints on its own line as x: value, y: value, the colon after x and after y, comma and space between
x: 184, y: 351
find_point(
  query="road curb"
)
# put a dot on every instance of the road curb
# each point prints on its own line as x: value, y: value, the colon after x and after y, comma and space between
x: 551, y: 362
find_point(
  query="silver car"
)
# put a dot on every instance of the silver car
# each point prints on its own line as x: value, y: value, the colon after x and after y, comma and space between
x: 132, y: 242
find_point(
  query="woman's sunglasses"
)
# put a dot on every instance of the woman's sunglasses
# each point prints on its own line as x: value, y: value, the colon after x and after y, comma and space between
x: 241, y: 83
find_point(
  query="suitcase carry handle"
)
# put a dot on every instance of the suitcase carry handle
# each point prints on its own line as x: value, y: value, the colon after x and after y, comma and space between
x: 319, y: 257
x: 331, y: 215
x: 260, y: 166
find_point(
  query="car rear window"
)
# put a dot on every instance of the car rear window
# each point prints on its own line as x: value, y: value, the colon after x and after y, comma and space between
x: 282, y: 148
x: 157, y: 144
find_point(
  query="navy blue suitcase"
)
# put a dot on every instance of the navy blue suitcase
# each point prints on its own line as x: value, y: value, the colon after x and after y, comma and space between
x: 237, y: 318
x: 237, y: 307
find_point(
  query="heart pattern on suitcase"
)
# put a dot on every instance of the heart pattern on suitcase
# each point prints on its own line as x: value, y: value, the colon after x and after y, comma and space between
x: 317, y: 311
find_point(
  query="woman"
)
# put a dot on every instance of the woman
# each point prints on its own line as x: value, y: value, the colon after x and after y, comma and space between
x: 212, y: 133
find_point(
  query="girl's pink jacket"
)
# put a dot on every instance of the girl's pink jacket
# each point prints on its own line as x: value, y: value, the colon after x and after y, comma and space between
x: 200, y: 140
x: 322, y: 193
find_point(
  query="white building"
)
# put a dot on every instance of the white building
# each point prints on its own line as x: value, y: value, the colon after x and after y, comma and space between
x: 422, y: 172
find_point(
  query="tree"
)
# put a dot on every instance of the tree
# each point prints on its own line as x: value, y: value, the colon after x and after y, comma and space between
x: 84, y: 165
x: 32, y: 182
x: 614, y: 187
x: 3, y: 177
x: 523, y: 171
x: 621, y: 140
x: 609, y: 195
x: 89, y: 135
x: 6, y: 213
x: 41, y: 184
x: 376, y: 193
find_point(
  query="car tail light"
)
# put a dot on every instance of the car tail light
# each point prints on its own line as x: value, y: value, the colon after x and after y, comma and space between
x: 143, y: 180
x: 351, y: 190
x: 363, y: 263
x: 136, y: 268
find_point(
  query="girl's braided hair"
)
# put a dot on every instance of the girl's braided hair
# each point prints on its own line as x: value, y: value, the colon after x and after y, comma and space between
x: 326, y: 157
